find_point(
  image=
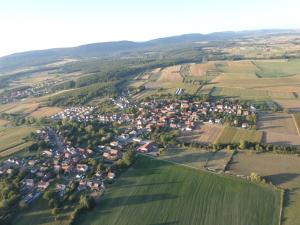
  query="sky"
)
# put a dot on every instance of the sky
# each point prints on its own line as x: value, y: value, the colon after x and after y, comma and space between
x: 40, y: 24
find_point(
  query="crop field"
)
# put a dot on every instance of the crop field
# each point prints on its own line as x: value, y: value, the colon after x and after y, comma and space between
x: 281, y: 170
x: 12, y: 138
x: 21, y: 107
x: 199, y: 70
x: 3, y: 122
x: 219, y: 160
x: 276, y: 122
x: 244, y: 66
x: 171, y: 73
x: 278, y: 69
x: 158, y: 192
x: 232, y: 135
x: 293, y: 105
x: 205, y: 133
x: 45, y: 111
x: 192, y: 157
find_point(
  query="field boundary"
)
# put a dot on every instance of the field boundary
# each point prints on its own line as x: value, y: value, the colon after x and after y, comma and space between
x: 296, y: 124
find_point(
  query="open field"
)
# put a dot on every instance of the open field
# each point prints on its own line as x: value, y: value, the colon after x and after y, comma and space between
x: 193, y: 157
x: 219, y: 160
x: 280, y: 138
x: 3, y: 122
x: 11, y: 138
x: 171, y: 73
x: 205, y: 133
x: 281, y: 170
x: 232, y: 135
x: 45, y: 111
x: 157, y: 192
x: 276, y: 122
x: 278, y: 69
x: 40, y: 213
x: 199, y: 70
x: 20, y: 107
x: 293, y: 105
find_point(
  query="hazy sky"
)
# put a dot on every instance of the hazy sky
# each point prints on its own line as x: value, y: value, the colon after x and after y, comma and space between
x: 39, y: 24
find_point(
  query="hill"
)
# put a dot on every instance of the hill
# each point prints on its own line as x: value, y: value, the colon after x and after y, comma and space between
x: 110, y: 49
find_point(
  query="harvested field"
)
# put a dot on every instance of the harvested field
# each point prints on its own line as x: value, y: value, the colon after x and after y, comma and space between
x: 280, y: 138
x: 233, y: 135
x: 157, y: 192
x: 244, y: 66
x: 219, y: 160
x: 19, y: 107
x: 293, y: 105
x: 15, y: 149
x: 282, y: 123
x: 201, y: 69
x: 45, y: 111
x: 171, y: 73
x: 281, y: 170
x: 205, y: 133
x: 196, y: 158
x: 3, y: 122
x: 296, y: 117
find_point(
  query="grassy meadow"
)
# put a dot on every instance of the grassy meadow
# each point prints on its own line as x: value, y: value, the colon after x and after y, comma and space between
x: 158, y: 192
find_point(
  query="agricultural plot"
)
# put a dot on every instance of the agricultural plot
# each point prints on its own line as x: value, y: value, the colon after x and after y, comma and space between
x: 45, y: 111
x: 23, y: 107
x: 171, y: 73
x: 296, y: 117
x: 292, y: 105
x: 281, y: 170
x: 3, y: 122
x: 276, y: 122
x: 219, y: 160
x: 12, y: 138
x: 269, y: 69
x: 158, y: 192
x: 195, y: 158
x: 232, y: 135
x: 205, y: 133
x: 200, y: 70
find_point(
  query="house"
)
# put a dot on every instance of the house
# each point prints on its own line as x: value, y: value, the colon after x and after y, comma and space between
x: 43, y: 185
x: 29, y: 182
x: 82, y: 167
x: 111, y: 175
x: 146, y: 147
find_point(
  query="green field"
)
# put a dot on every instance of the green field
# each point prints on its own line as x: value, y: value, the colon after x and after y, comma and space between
x: 157, y: 192
x: 232, y: 135
x: 269, y: 69
x: 12, y: 139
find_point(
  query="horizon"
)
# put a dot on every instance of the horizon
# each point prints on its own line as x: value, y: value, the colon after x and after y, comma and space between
x: 53, y: 24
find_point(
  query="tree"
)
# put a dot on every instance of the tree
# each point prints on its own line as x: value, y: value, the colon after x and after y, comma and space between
x: 243, y: 144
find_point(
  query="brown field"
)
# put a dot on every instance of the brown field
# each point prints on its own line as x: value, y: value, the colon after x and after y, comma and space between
x: 171, y: 73
x: 282, y: 123
x: 201, y: 69
x: 293, y: 105
x: 281, y: 170
x: 45, y: 111
x: 219, y: 160
x: 280, y: 138
x: 240, y: 66
x: 3, y: 122
x: 20, y: 107
x: 205, y: 133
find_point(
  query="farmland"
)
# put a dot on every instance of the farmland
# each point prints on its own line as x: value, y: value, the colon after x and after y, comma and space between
x: 45, y: 111
x: 158, y: 192
x: 12, y: 139
x: 232, y: 135
x: 281, y: 170
x: 206, y: 133
x: 278, y: 128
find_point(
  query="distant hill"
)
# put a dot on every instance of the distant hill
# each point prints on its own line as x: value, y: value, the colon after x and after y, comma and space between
x: 108, y: 49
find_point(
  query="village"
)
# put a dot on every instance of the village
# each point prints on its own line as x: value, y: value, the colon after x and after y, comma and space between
x: 63, y: 164
x: 17, y: 94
